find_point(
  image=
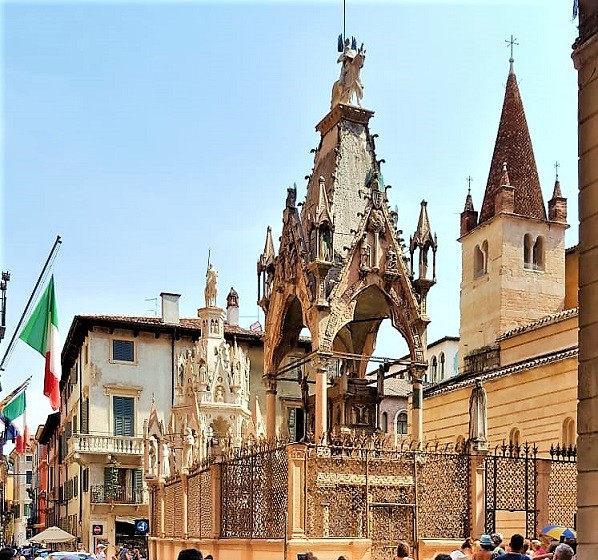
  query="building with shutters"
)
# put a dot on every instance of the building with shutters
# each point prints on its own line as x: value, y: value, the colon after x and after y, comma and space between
x: 22, y: 474
x: 113, y: 369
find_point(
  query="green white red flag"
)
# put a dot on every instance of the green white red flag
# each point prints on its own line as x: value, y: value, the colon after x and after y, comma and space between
x: 41, y: 333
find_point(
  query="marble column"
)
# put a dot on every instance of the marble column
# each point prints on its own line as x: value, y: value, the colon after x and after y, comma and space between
x: 585, y: 58
x: 321, y: 413
x: 416, y: 373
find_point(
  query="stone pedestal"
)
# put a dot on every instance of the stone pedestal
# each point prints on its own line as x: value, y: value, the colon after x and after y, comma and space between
x: 297, y: 456
x: 271, y: 408
x: 477, y: 495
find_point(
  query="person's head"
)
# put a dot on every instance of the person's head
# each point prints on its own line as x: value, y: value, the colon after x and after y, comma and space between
x: 342, y: 558
x: 209, y: 557
x: 402, y: 549
x: 467, y: 545
x: 496, y: 538
x: 80, y: 546
x: 8, y: 554
x: 516, y: 543
x: 552, y: 546
x: 536, y: 545
x: 486, y: 543
x: 563, y: 552
x: 572, y: 543
x: 442, y: 557
x: 190, y: 554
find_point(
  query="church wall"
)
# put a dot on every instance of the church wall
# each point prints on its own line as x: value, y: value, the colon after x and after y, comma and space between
x: 508, y: 295
x: 535, y: 401
x: 542, y: 340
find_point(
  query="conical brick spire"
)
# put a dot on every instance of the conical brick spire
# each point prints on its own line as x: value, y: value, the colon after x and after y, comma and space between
x: 514, y: 147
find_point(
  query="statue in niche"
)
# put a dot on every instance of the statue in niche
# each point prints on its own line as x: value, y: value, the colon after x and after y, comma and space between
x: 211, y: 290
x: 219, y: 394
x: 325, y: 245
x: 349, y: 83
x: 168, y: 462
x: 188, y: 447
x: 365, y: 255
x: 203, y: 374
x: 478, y: 424
x: 423, y: 262
x: 391, y: 261
x: 152, y: 456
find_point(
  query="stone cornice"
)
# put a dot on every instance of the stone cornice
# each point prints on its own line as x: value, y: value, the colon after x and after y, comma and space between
x: 544, y: 321
x: 469, y: 379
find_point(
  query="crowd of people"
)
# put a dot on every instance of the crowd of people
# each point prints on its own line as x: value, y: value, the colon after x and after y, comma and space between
x: 492, y: 547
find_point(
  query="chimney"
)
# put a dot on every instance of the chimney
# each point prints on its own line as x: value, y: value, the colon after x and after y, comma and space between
x: 232, y: 308
x: 170, y: 307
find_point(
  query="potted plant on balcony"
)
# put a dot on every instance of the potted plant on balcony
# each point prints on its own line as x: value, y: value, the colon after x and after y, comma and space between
x: 111, y: 483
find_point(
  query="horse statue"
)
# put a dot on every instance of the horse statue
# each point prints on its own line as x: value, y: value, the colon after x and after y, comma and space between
x: 211, y: 290
x: 349, y: 84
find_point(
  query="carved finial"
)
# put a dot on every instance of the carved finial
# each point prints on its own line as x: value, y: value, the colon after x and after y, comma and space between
x: 469, y: 180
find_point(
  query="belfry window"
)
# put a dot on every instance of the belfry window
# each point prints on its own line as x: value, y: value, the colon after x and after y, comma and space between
x: 533, y: 252
x: 442, y: 364
x: 434, y: 369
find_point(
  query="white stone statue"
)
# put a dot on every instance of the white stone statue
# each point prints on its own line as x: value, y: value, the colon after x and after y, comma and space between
x: 152, y: 452
x: 188, y: 446
x: 167, y: 458
x: 365, y: 256
x: 478, y: 424
x: 349, y: 84
x: 211, y: 291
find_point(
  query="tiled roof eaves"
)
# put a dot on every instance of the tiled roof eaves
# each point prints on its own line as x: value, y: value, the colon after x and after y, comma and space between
x: 468, y: 380
x: 548, y: 320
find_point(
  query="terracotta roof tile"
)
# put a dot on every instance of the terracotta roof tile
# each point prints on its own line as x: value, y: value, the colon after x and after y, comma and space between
x: 514, y: 147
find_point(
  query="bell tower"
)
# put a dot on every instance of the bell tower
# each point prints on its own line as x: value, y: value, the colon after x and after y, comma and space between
x: 513, y: 253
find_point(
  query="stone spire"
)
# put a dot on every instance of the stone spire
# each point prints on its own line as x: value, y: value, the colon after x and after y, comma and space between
x: 557, y: 205
x: 265, y: 271
x: 232, y: 308
x: 423, y: 240
x: 513, y: 146
x: 469, y: 217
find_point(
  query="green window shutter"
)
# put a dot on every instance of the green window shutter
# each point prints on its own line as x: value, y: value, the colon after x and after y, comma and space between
x: 84, y: 416
x: 123, y: 409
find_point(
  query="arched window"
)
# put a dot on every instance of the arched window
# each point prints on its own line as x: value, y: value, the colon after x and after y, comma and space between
x: 528, y: 250
x: 384, y: 422
x: 514, y: 437
x: 480, y: 260
x: 434, y: 369
x: 568, y: 432
x: 401, y: 423
x: 442, y: 369
x: 538, y: 254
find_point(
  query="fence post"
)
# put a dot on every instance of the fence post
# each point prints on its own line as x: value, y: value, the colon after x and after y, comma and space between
x: 216, y: 482
x: 477, y: 493
x: 297, y: 456
x: 184, y: 504
x: 542, y: 493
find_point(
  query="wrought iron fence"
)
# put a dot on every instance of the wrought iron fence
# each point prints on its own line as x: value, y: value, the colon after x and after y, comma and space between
x: 562, y: 489
x: 366, y: 487
x: 511, y: 484
x: 200, y: 503
x: 254, y: 491
x: 102, y: 494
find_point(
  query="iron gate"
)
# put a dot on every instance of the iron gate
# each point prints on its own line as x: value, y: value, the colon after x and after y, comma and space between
x: 511, y: 482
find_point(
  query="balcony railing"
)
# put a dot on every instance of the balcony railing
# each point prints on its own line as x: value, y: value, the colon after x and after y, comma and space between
x: 106, y: 495
x: 88, y: 443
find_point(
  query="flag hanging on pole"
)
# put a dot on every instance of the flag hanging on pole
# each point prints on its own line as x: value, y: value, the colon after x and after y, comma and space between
x: 41, y: 333
x: 14, y: 413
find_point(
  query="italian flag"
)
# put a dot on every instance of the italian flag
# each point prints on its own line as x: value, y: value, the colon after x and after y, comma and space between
x: 14, y: 413
x: 41, y: 333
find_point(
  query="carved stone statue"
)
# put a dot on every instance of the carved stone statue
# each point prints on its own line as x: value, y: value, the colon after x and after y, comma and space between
x: 167, y: 461
x: 391, y: 260
x: 152, y: 453
x: 365, y: 256
x: 478, y: 424
x: 325, y: 245
x: 188, y: 446
x: 349, y: 84
x: 211, y: 291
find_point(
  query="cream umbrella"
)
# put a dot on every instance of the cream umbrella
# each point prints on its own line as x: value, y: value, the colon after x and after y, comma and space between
x: 52, y: 535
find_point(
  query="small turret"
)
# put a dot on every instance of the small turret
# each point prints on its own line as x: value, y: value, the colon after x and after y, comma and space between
x: 265, y: 270
x: 422, y: 241
x: 504, y: 201
x: 557, y: 205
x: 232, y: 308
x: 469, y: 217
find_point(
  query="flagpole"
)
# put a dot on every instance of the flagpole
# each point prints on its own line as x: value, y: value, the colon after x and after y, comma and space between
x: 31, y: 298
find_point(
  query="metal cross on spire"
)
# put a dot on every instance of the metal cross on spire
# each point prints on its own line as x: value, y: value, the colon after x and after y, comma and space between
x: 556, y: 170
x: 469, y: 180
x: 511, y: 42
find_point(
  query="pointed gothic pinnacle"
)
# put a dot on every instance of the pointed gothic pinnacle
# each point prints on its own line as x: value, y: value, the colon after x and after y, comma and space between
x: 557, y: 190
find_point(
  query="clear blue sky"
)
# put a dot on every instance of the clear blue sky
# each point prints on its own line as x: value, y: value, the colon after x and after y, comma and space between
x: 146, y: 133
